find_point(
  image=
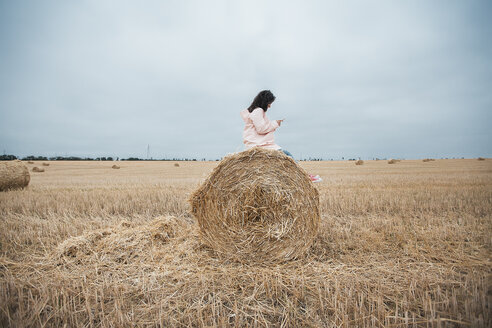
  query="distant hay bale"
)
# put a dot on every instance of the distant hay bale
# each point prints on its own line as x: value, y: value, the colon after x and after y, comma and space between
x: 257, y: 205
x: 46, y: 164
x: 392, y: 161
x: 428, y: 160
x: 359, y: 162
x: 30, y: 162
x: 115, y: 167
x: 37, y: 169
x: 13, y: 175
x: 481, y: 159
x: 176, y: 164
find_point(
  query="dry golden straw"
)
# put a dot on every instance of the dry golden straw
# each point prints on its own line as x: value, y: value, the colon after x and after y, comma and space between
x: 37, y: 169
x: 401, y: 246
x: 257, y: 205
x: 13, y: 175
x: 115, y: 242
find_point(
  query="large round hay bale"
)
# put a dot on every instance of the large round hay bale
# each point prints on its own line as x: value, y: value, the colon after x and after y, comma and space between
x: 257, y: 205
x: 13, y: 175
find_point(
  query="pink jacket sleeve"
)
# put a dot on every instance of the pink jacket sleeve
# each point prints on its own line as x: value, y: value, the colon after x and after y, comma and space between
x: 262, y: 124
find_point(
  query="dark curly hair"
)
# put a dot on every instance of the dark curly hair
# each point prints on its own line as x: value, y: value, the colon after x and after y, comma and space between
x: 262, y: 100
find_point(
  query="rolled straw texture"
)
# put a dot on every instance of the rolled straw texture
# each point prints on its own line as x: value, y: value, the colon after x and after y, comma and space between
x: 257, y: 205
x: 13, y: 175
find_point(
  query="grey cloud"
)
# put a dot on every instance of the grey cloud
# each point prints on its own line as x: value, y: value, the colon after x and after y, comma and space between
x: 356, y: 78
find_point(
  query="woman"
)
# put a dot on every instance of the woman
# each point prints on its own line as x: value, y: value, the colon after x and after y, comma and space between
x: 259, y: 130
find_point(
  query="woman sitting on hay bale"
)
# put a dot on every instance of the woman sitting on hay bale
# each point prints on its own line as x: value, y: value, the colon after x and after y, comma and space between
x: 258, y: 131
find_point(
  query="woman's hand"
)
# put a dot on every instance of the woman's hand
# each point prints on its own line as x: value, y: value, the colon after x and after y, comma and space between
x: 279, y: 122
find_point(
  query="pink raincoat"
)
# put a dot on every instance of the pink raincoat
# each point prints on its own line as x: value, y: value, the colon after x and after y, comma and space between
x: 258, y: 129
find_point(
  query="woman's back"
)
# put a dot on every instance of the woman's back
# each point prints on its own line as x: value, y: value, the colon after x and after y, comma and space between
x: 258, y: 129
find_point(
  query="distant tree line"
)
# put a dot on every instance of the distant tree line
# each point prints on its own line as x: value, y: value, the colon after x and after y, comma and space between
x: 312, y: 159
x: 65, y: 158
x: 5, y: 157
x: 163, y: 159
x: 76, y: 158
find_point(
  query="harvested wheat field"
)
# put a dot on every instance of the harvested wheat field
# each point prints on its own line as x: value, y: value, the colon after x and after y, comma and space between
x: 397, y: 246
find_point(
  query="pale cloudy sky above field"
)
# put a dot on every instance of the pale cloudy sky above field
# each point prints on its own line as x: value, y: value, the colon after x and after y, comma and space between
x: 408, y: 79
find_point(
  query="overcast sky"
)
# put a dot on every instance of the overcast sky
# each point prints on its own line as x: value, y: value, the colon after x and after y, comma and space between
x: 403, y: 79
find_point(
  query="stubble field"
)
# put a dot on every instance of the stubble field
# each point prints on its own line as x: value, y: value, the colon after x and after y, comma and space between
x: 406, y: 244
